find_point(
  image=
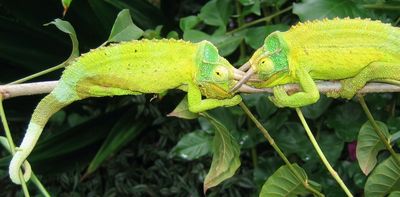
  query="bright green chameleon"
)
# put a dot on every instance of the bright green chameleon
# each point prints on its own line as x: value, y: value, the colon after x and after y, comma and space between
x: 353, y: 51
x: 132, y: 68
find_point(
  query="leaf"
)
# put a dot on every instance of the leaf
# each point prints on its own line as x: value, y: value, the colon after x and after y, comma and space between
x: 319, y: 9
x: 216, y: 13
x: 124, y: 131
x: 284, y: 183
x: 226, y: 152
x: 144, y: 13
x: 66, y: 27
x: 384, y: 179
x: 124, y: 29
x: 369, y: 145
x: 193, y: 145
x: 317, y: 109
x: 395, y: 137
x: 188, y: 22
x: 346, y: 120
x: 255, y: 36
x: 182, y: 111
x: 394, y: 194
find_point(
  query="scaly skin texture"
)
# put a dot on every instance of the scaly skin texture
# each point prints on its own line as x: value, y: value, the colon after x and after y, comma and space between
x: 354, y: 51
x: 132, y: 68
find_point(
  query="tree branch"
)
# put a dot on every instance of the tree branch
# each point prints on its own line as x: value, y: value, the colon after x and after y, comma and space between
x: 26, y: 89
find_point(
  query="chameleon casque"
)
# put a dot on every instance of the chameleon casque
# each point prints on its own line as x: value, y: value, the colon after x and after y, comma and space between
x: 132, y: 68
x: 353, y: 51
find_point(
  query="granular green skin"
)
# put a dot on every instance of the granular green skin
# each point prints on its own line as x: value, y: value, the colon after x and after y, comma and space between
x: 353, y: 51
x: 132, y: 68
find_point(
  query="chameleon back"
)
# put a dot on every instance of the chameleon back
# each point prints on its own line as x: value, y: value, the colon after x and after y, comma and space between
x: 345, y: 46
x: 131, y: 68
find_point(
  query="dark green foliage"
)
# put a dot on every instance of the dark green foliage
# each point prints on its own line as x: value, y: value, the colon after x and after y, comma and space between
x: 143, y: 152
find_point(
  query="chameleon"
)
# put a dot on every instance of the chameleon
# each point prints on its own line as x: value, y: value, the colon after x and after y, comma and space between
x: 353, y: 51
x: 133, y: 68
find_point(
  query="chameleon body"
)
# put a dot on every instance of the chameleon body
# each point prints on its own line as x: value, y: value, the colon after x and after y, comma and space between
x: 132, y: 68
x: 353, y: 51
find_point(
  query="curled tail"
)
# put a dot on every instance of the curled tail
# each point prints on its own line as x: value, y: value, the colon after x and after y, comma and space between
x: 57, y: 99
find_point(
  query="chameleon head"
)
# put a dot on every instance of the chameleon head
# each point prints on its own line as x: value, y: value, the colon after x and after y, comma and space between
x: 262, y: 64
x: 215, y: 75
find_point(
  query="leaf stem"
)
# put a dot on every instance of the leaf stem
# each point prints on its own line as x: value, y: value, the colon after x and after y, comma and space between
x: 321, y: 154
x: 266, y: 18
x: 377, y: 130
x: 62, y: 65
x: 12, y: 145
x: 277, y: 149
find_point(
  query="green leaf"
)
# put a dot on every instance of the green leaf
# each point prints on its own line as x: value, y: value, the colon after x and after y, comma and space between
x: 346, y: 120
x: 193, y: 145
x: 384, y: 179
x: 317, y: 109
x: 226, y: 152
x: 394, y: 194
x: 216, y: 13
x: 124, y: 131
x: 284, y: 183
x: 369, y: 145
x: 188, y: 22
x: 394, y: 137
x: 319, y: 9
x: 124, y: 29
x: 182, y: 110
x: 144, y: 13
x: 226, y: 44
x: 255, y: 36
x: 66, y: 27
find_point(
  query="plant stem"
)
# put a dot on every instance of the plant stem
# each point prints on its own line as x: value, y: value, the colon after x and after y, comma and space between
x: 278, y: 150
x: 266, y: 18
x: 39, y: 185
x: 12, y: 146
x: 321, y: 154
x: 254, y: 157
x: 377, y: 130
x: 62, y: 65
x: 240, y: 21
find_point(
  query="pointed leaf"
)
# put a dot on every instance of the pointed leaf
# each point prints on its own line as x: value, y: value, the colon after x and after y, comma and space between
x: 384, y: 179
x: 182, y: 111
x: 319, y: 9
x: 122, y: 133
x: 217, y: 13
x: 193, y: 145
x: 124, y: 29
x: 226, y: 155
x: 369, y: 145
x: 284, y: 183
x: 66, y: 27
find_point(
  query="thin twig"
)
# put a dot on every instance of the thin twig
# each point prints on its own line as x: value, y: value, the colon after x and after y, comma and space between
x: 278, y: 150
x: 26, y: 89
x: 321, y: 154
x: 378, y: 130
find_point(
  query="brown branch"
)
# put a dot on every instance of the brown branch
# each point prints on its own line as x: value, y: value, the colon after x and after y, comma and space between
x: 26, y: 89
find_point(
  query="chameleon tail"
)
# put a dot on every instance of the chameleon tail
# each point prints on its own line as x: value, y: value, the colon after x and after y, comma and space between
x: 45, y: 109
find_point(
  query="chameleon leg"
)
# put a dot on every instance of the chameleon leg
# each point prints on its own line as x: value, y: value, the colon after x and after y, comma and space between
x: 309, y: 95
x: 197, y: 104
x: 374, y: 71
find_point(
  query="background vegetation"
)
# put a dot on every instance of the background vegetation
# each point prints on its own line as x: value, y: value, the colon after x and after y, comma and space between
x: 145, y: 153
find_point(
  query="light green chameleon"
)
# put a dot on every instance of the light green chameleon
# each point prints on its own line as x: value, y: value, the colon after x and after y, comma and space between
x: 132, y: 68
x: 353, y: 51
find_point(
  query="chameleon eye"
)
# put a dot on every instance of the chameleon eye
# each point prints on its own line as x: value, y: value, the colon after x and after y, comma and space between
x: 265, y: 65
x: 220, y: 73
